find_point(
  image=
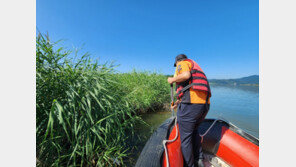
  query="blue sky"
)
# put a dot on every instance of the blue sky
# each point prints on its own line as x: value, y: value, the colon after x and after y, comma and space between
x: 222, y: 36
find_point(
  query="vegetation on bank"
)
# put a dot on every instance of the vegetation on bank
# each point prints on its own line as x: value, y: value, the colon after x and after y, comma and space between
x: 252, y: 80
x: 144, y: 90
x: 85, y: 111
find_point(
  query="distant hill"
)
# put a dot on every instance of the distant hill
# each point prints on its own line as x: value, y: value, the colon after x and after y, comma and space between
x: 252, y: 80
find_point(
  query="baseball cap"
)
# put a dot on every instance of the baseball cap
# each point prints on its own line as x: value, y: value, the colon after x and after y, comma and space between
x: 179, y: 58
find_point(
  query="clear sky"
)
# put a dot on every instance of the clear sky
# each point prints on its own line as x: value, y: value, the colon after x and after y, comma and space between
x: 222, y: 36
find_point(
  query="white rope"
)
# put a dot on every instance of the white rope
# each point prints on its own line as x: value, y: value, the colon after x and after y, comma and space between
x: 169, y: 141
x: 207, y: 130
x: 175, y: 126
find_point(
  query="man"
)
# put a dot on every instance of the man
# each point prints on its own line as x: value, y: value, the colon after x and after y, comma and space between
x: 193, y: 93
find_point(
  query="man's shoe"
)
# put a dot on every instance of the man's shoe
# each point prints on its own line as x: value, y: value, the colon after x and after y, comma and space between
x: 200, y: 163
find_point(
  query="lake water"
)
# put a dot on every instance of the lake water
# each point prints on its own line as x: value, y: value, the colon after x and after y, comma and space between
x: 236, y: 104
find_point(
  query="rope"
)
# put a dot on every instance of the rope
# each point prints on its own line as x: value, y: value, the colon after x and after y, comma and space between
x: 207, y: 130
x: 175, y: 126
x: 170, y: 141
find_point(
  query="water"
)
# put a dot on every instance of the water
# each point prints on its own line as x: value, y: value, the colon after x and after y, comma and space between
x: 236, y: 104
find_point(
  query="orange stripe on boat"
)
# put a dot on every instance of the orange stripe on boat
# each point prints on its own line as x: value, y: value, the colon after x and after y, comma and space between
x: 236, y: 150
x: 174, y: 151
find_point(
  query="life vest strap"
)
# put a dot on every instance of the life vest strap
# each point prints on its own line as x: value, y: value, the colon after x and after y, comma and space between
x: 198, y: 79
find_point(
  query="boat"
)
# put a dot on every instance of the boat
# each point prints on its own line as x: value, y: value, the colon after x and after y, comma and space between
x: 223, y: 145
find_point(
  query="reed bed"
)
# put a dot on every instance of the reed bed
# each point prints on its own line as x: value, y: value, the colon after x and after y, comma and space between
x: 85, y: 112
x: 146, y: 91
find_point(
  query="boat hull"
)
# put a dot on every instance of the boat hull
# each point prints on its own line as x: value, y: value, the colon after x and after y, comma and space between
x: 224, y: 140
x: 231, y: 144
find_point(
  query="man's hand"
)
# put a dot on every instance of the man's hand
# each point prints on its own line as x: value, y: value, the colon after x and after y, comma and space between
x: 175, y: 104
x: 180, y: 78
x: 171, y: 80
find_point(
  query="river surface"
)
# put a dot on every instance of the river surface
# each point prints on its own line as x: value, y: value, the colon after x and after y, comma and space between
x: 236, y: 104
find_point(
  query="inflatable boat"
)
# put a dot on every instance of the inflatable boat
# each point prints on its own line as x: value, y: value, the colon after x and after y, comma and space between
x: 223, y: 144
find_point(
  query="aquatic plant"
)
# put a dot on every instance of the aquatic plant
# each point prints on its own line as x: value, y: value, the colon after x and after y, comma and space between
x: 84, y: 111
x: 146, y: 91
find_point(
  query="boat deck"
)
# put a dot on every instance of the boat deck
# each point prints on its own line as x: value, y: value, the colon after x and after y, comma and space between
x: 213, y: 161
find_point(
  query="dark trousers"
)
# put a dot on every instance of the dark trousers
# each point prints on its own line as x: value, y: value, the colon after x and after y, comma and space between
x: 189, y: 118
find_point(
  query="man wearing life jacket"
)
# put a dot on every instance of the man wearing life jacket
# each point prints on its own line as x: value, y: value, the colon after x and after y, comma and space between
x: 193, y: 102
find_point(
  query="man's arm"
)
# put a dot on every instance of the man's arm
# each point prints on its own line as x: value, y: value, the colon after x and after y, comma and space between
x: 180, y: 78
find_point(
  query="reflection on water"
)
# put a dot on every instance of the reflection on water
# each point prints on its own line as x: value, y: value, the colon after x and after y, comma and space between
x: 154, y: 120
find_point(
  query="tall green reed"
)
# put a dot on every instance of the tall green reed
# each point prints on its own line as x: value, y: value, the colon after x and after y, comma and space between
x: 86, y: 112
x: 146, y: 91
x: 80, y: 121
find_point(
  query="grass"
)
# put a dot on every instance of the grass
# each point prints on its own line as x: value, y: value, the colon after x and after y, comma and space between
x: 85, y: 111
x: 146, y: 91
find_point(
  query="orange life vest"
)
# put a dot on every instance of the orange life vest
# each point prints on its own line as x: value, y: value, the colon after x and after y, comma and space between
x: 198, y: 81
